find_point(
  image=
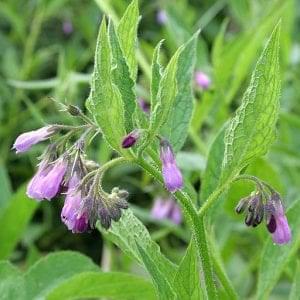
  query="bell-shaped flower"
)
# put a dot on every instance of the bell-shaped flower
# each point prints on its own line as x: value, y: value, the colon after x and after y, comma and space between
x: 26, y: 140
x: 171, y: 174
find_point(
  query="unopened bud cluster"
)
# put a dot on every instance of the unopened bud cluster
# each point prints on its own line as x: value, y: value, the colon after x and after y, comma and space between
x: 65, y: 170
x: 263, y: 205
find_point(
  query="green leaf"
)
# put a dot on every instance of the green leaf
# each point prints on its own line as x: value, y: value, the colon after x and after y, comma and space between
x: 295, y: 291
x: 177, y: 123
x: 163, y: 287
x: 122, y: 78
x: 129, y: 232
x: 156, y: 70
x: 187, y: 281
x: 127, y: 33
x: 105, y: 101
x: 213, y: 170
x: 252, y: 130
x: 165, y: 96
x: 113, y: 285
x: 54, y: 269
x: 11, y: 282
x: 14, y: 220
x: 275, y: 257
x: 5, y: 187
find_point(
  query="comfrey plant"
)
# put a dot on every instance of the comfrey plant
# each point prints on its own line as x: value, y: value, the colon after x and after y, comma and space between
x: 149, y: 134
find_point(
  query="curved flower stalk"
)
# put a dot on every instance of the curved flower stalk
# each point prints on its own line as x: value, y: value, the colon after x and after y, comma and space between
x: 266, y: 204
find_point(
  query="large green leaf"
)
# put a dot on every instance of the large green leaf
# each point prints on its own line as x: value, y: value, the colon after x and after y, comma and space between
x: 122, y: 78
x: 252, y: 130
x: 113, y: 285
x: 13, y: 221
x: 105, y: 101
x: 5, y: 187
x: 11, y: 282
x: 163, y: 287
x: 295, y: 291
x: 129, y: 232
x: 127, y: 33
x: 177, y: 123
x: 275, y: 257
x: 54, y: 269
x: 187, y: 280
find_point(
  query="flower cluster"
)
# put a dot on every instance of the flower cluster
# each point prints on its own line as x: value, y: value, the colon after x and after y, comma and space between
x: 262, y: 205
x: 64, y: 170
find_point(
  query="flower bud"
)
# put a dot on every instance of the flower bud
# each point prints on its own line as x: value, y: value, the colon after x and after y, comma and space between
x: 26, y: 140
x: 161, y: 17
x: 202, y: 80
x: 74, y: 110
x: 171, y: 173
x: 130, y: 139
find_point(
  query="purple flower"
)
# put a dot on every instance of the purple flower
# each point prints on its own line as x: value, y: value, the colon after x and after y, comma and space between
x: 161, y: 17
x: 27, y: 139
x: 67, y: 27
x: 202, y: 80
x: 72, y: 214
x: 166, y: 209
x: 277, y: 222
x: 47, y: 181
x: 130, y: 139
x: 144, y: 105
x: 171, y: 173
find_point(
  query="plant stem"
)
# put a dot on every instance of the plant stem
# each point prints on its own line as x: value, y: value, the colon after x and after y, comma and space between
x: 198, y: 227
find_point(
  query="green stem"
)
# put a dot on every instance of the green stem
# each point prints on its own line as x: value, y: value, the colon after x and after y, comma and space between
x: 198, y: 227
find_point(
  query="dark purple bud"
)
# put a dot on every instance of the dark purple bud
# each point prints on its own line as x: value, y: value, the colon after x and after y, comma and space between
x: 130, y: 139
x: 249, y: 219
x: 26, y: 140
x: 104, y: 217
x: 202, y: 80
x: 144, y: 105
x: 271, y: 224
x: 171, y: 173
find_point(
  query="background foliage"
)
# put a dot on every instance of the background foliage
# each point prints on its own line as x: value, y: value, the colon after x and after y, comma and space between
x: 39, y: 59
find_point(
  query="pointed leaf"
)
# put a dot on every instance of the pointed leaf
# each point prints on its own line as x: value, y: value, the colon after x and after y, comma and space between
x: 122, y: 79
x: 252, y: 130
x: 105, y: 101
x: 177, y: 123
x: 112, y: 285
x: 187, y: 280
x: 127, y: 33
x: 164, y: 289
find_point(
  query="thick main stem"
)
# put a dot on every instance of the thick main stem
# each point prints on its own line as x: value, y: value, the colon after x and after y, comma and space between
x: 198, y: 227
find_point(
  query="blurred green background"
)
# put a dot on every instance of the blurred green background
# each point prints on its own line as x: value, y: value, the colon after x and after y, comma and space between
x: 47, y: 50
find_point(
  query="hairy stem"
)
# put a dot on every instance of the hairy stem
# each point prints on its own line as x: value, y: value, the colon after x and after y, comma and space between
x: 198, y: 227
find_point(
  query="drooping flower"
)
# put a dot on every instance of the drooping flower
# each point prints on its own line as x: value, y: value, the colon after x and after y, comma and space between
x: 171, y: 174
x: 161, y: 17
x: 202, y: 80
x: 26, y: 140
x: 72, y: 214
x: 46, y: 183
x: 130, y: 139
x: 166, y: 209
x: 277, y: 222
x: 144, y: 105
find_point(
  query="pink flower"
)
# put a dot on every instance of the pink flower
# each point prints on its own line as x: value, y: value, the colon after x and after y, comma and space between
x: 25, y: 141
x: 202, y: 80
x: 277, y: 222
x: 166, y: 209
x: 47, y: 181
x: 171, y: 173
x: 72, y: 214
